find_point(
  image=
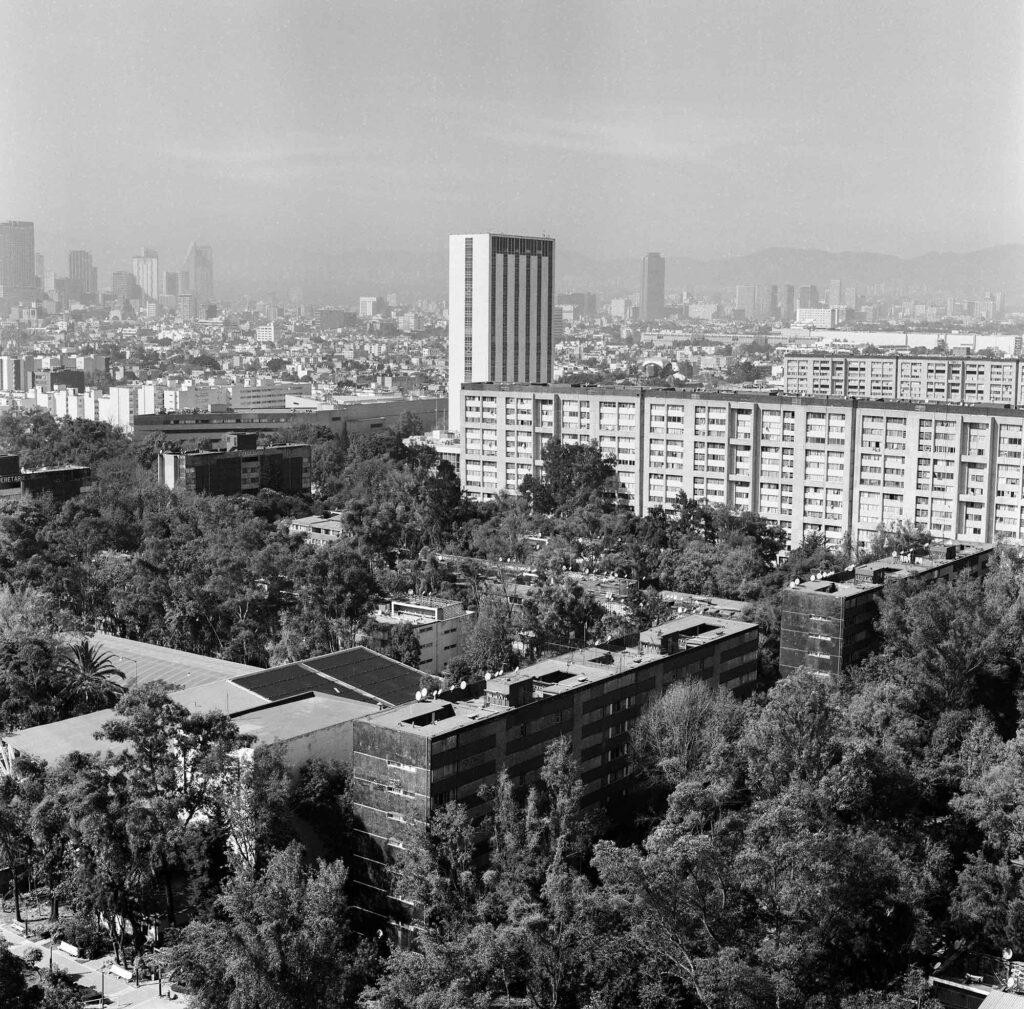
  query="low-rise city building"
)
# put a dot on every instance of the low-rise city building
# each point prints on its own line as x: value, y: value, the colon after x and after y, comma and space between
x: 240, y: 468
x: 440, y: 625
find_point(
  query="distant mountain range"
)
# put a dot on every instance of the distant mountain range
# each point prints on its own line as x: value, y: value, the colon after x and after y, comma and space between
x: 959, y: 274
x: 343, y: 276
x: 340, y: 277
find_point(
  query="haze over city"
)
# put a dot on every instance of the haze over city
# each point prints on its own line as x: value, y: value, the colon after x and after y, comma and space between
x: 301, y: 139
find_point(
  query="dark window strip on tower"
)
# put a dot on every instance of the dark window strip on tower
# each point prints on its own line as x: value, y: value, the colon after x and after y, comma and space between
x: 467, y: 314
x: 526, y: 316
x: 515, y: 323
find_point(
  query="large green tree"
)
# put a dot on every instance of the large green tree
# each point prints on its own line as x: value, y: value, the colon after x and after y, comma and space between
x: 280, y: 938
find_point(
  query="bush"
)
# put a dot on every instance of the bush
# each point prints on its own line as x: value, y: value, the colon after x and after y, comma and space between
x: 82, y: 930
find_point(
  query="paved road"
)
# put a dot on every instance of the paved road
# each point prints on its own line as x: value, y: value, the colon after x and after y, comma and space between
x: 87, y: 973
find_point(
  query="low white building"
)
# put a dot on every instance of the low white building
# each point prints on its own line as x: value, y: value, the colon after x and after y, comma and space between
x: 441, y: 625
x: 319, y: 530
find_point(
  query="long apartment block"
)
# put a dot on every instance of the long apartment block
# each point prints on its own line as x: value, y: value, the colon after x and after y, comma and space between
x: 924, y: 379
x: 812, y: 464
x: 411, y: 759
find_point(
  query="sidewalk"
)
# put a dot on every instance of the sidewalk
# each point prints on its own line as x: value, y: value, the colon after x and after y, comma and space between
x: 87, y: 974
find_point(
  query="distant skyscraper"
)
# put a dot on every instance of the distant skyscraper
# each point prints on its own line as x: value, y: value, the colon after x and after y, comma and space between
x: 17, y: 257
x: 146, y: 267
x: 82, y: 275
x: 808, y: 297
x: 40, y: 269
x: 584, y: 303
x: 197, y: 272
x: 766, y: 305
x: 171, y: 283
x: 835, y: 293
x: 652, y: 294
x: 124, y: 285
x: 758, y: 302
x: 500, y: 312
x: 746, y: 299
x: 787, y: 303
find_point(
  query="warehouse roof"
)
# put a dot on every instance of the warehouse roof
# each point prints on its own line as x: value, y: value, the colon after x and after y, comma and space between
x: 356, y: 673
x: 142, y: 662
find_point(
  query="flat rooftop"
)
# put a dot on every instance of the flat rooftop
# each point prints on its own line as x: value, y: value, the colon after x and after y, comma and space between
x: 55, y: 741
x: 759, y: 396
x: 358, y: 674
x: 867, y: 577
x: 903, y: 354
x: 562, y: 674
x: 143, y: 663
x: 300, y: 717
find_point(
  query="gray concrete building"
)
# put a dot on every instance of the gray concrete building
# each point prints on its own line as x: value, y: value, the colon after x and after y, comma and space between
x: 828, y: 623
x: 409, y: 760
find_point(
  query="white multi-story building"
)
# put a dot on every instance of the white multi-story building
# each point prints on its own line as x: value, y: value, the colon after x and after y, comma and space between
x: 955, y: 380
x: 440, y: 626
x: 270, y: 332
x: 840, y: 468
x: 119, y: 406
x: 819, y: 318
x: 500, y: 311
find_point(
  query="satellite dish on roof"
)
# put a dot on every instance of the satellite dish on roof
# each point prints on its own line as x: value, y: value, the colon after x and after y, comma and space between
x: 419, y: 694
x: 462, y: 685
x: 487, y: 676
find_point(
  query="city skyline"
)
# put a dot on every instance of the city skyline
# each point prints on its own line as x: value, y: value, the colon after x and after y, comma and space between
x: 699, y: 133
x: 970, y: 274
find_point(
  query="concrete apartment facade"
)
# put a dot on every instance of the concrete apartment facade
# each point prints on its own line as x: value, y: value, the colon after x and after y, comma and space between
x: 412, y: 759
x: 921, y: 379
x: 837, y: 467
x: 828, y: 623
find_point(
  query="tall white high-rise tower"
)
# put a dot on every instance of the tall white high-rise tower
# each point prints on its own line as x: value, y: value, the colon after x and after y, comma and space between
x: 501, y: 296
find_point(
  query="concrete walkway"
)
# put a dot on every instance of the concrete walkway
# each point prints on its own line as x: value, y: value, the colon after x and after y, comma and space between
x: 87, y: 973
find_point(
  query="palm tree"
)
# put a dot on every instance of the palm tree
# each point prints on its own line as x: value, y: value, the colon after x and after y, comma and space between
x: 89, y: 684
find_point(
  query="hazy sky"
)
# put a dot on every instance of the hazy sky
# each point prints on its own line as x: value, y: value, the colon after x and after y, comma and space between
x: 698, y: 128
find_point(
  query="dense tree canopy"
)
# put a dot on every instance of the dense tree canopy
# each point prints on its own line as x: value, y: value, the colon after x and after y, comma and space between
x: 817, y: 844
